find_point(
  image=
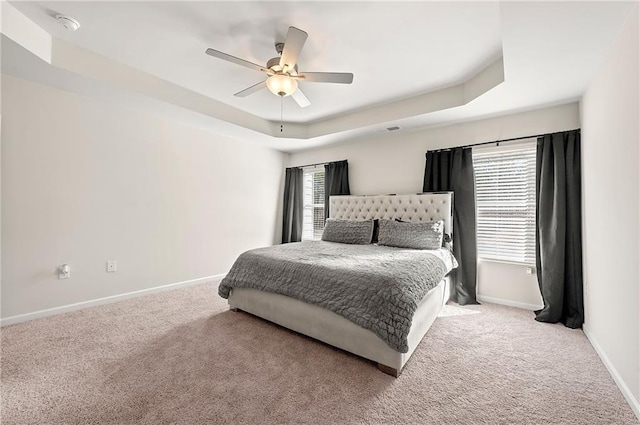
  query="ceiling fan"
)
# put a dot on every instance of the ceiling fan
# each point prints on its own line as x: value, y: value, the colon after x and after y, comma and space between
x: 283, y: 72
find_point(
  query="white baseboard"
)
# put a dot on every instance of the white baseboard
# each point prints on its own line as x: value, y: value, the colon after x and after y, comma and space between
x: 510, y: 303
x: 635, y: 404
x: 12, y: 320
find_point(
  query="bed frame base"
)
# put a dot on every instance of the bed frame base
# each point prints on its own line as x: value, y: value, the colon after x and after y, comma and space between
x: 381, y: 367
x: 389, y: 370
x: 335, y: 330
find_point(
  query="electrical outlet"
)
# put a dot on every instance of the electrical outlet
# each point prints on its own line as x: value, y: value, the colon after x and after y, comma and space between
x: 529, y: 270
x: 64, y: 271
x: 111, y: 266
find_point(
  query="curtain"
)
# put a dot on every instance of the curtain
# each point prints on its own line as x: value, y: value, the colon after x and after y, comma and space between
x: 558, y: 228
x: 336, y: 182
x: 452, y: 170
x: 293, y: 206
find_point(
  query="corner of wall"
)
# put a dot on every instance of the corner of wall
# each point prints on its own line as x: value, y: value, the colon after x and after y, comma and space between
x: 609, y: 112
x: 277, y: 235
x: 624, y: 389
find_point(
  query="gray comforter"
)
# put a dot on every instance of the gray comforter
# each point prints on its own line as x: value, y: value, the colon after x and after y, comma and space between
x: 375, y: 287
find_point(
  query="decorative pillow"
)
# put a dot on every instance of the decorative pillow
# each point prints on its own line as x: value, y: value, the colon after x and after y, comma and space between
x: 348, y: 231
x: 414, y: 235
x: 446, y: 238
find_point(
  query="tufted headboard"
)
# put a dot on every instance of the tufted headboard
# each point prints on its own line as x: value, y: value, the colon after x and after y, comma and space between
x: 417, y: 207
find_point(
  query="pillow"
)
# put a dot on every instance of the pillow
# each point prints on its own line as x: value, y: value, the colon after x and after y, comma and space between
x: 414, y: 235
x: 348, y: 231
x: 446, y: 238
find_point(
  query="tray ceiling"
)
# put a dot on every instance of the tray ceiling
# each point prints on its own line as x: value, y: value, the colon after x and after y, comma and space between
x: 414, y: 62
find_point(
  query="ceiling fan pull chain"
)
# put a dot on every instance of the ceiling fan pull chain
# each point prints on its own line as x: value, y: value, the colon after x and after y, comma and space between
x: 281, y: 108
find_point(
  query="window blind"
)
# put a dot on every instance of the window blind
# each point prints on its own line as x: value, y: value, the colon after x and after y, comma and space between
x: 313, y: 199
x: 505, y: 202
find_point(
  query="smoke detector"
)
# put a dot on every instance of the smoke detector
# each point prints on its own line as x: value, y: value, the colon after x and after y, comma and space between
x: 68, y: 22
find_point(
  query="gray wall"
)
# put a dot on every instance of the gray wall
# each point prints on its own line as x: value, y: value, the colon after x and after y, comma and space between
x: 85, y: 181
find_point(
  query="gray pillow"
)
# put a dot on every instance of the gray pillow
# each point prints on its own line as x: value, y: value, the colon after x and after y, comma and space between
x: 415, y: 235
x: 348, y: 231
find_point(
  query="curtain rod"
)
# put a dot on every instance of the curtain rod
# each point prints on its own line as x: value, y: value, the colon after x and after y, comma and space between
x: 317, y: 163
x: 497, y: 142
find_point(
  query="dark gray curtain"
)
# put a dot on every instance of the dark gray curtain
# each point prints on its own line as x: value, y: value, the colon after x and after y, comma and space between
x: 336, y: 182
x: 558, y: 228
x: 292, y: 207
x: 452, y: 170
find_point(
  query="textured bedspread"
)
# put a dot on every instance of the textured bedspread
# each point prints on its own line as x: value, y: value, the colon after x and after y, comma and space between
x: 375, y: 287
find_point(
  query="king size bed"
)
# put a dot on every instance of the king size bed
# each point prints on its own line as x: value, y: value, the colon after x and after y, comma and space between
x: 374, y: 300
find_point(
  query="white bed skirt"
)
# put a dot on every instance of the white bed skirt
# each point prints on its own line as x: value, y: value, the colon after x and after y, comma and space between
x: 335, y: 330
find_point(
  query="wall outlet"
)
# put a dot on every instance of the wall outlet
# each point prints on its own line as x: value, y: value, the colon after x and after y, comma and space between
x: 64, y: 271
x: 111, y: 266
x: 529, y: 270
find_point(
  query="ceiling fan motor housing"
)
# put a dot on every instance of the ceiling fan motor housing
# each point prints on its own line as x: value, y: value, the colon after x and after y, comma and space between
x: 274, y: 65
x: 273, y: 62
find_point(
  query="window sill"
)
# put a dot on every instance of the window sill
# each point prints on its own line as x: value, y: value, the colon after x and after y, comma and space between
x: 514, y: 263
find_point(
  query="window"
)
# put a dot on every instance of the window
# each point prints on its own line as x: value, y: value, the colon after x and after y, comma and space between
x: 313, y: 188
x: 505, y: 202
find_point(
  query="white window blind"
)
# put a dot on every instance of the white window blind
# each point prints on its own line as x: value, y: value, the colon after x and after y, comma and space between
x: 313, y: 188
x: 505, y: 202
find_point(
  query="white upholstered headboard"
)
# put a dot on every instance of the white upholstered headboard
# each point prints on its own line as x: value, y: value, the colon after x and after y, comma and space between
x: 416, y: 207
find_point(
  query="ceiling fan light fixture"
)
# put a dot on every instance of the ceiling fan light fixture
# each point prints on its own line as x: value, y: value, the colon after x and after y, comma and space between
x: 282, y: 85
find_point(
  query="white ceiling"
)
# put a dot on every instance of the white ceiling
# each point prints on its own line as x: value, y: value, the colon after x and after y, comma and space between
x: 396, y: 50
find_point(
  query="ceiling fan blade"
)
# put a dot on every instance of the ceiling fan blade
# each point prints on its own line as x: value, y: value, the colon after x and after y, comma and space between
x: 301, y: 99
x: 250, y: 90
x: 224, y: 56
x: 327, y: 77
x: 292, y: 46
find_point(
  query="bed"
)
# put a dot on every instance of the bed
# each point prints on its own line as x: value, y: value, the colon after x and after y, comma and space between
x: 390, y: 352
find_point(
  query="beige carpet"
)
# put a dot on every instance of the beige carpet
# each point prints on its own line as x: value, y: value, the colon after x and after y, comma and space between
x: 180, y: 357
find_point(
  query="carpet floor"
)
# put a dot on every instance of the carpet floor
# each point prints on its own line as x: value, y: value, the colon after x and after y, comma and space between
x: 181, y: 357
